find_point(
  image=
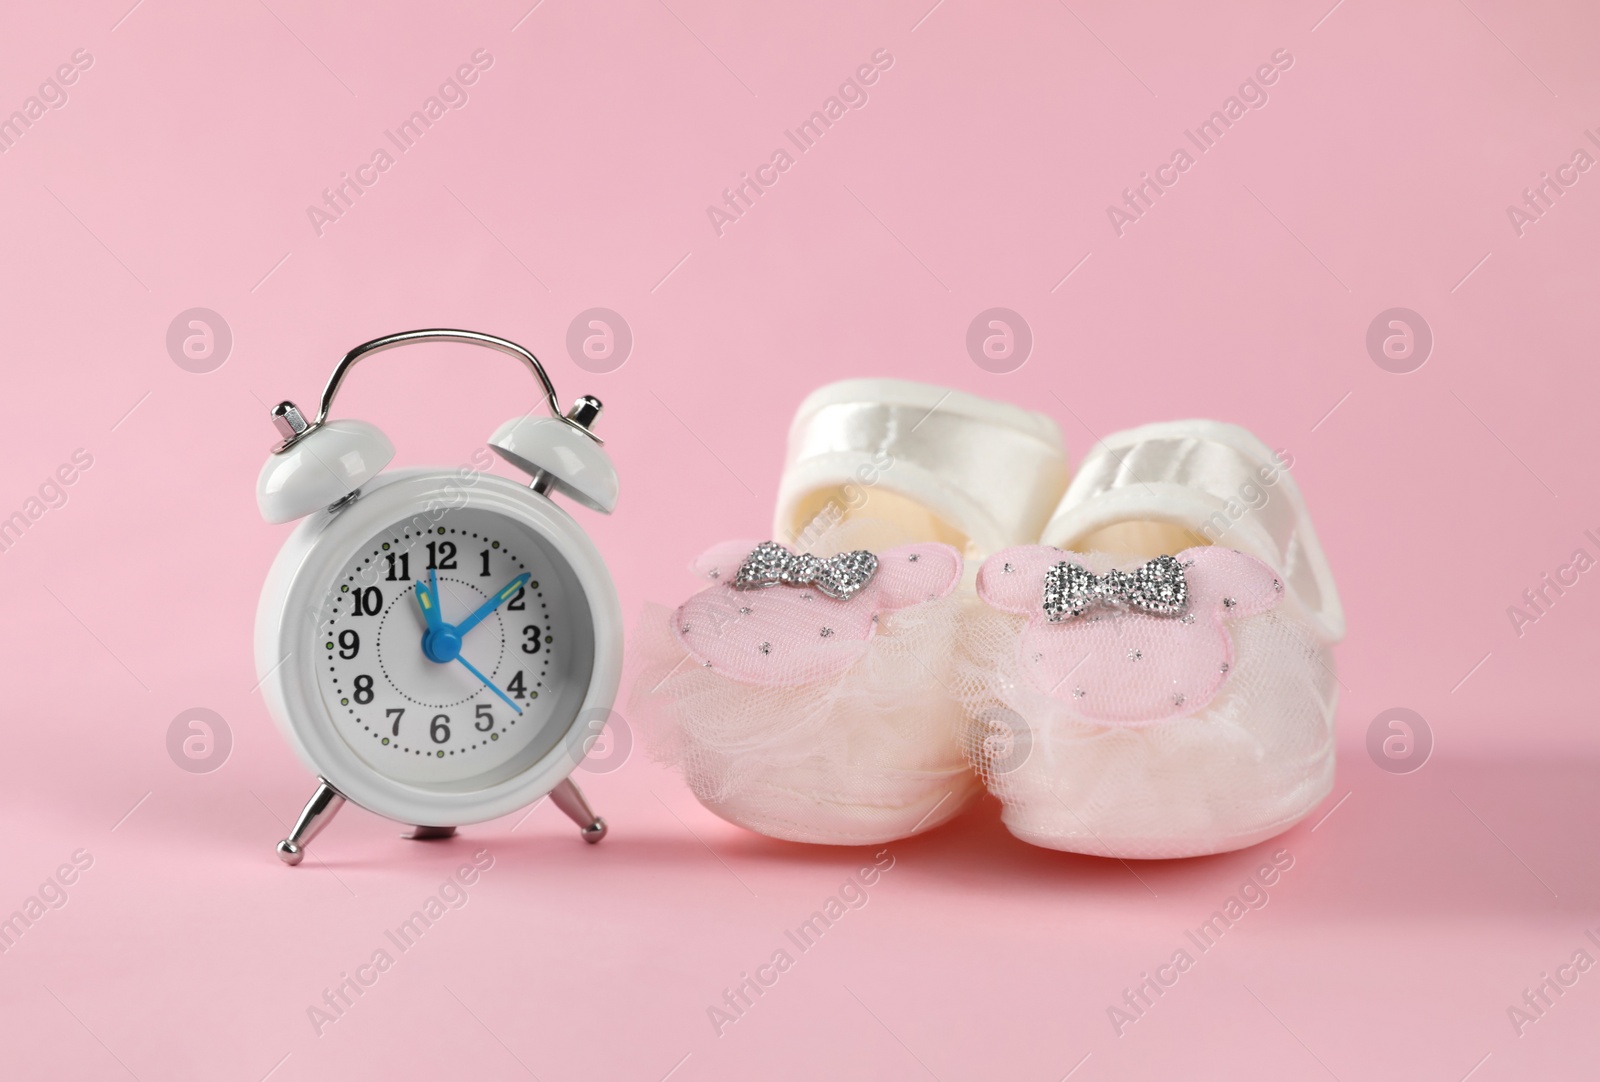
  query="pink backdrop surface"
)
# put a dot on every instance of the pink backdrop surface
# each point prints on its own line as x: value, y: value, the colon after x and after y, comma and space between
x: 176, y: 171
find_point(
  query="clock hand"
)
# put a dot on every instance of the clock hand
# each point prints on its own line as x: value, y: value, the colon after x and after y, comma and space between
x: 488, y: 607
x: 471, y: 669
x: 428, y: 600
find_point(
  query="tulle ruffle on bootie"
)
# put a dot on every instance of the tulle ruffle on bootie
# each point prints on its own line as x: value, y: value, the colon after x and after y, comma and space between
x: 1122, y: 731
x: 1117, y: 732
x: 805, y: 717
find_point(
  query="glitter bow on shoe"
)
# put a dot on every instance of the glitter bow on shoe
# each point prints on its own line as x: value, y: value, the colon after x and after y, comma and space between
x: 1166, y: 653
x: 1158, y: 588
x: 839, y: 576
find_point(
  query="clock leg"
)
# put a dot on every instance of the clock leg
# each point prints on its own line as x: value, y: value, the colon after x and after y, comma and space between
x: 430, y: 834
x: 318, y: 810
x: 567, y: 797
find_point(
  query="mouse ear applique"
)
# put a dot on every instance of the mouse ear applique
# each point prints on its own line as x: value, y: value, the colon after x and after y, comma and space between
x: 1128, y: 646
x: 776, y: 618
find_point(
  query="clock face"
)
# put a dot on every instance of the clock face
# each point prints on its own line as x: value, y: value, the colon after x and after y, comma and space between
x: 454, y: 649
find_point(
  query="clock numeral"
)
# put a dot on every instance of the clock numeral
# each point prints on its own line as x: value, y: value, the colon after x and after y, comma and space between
x: 485, y: 720
x: 395, y: 712
x: 516, y: 604
x: 485, y: 555
x: 440, y: 729
x: 401, y: 562
x: 441, y: 555
x: 368, y: 602
x: 517, y: 688
x: 363, y: 692
x: 531, y: 633
x: 349, y: 644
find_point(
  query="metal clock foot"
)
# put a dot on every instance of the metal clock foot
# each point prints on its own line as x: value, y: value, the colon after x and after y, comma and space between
x: 430, y: 834
x: 569, y: 799
x: 318, y: 810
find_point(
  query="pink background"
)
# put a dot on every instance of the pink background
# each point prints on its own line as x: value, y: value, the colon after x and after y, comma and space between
x: 978, y: 175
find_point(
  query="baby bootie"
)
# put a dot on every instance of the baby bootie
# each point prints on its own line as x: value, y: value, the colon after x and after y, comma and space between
x: 1155, y: 679
x: 808, y: 693
x: 922, y: 463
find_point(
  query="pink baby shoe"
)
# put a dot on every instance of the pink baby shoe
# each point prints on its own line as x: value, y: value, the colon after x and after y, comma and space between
x: 1171, y: 693
x: 809, y: 692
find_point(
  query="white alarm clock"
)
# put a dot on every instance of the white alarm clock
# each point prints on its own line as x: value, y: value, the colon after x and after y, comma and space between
x: 439, y: 646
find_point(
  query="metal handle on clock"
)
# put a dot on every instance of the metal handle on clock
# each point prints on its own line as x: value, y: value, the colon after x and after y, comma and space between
x: 295, y: 428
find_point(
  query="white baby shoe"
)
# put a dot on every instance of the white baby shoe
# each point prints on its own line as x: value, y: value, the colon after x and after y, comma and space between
x: 926, y: 463
x: 809, y: 693
x: 1171, y: 693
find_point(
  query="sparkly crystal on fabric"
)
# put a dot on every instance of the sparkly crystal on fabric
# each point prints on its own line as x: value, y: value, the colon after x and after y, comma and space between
x: 1125, y: 616
x: 805, y: 631
x: 1070, y: 589
x: 839, y: 577
x: 1148, y: 736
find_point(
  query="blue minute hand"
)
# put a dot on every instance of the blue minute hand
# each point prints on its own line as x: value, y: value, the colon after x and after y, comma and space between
x: 488, y: 684
x: 488, y: 607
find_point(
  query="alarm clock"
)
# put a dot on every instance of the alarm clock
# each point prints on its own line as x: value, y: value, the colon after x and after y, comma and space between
x: 439, y: 646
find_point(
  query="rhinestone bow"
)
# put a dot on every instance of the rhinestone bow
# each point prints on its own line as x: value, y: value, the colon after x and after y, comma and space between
x: 837, y: 576
x: 1158, y: 588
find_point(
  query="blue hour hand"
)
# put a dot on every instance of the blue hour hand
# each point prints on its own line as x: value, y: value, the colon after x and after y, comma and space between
x: 441, y: 643
x: 487, y: 608
x: 428, y: 601
x: 488, y: 684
